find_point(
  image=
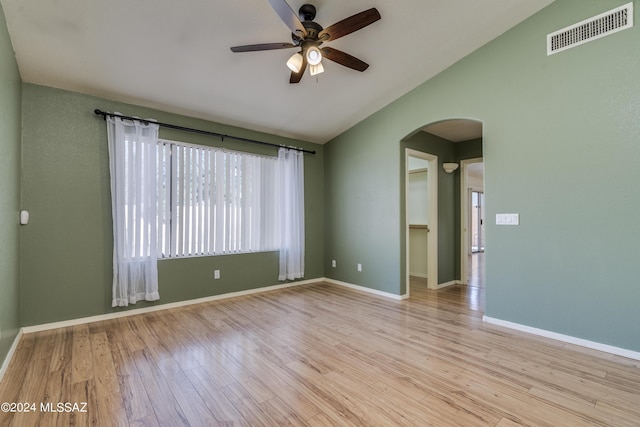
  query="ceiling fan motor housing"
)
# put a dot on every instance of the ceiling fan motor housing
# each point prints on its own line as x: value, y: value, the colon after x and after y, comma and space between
x: 307, y: 12
x: 313, y: 30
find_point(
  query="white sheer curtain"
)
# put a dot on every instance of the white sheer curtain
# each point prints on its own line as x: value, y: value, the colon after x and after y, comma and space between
x: 133, y: 164
x: 291, y: 213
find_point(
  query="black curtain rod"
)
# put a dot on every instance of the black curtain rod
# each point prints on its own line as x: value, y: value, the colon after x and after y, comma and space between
x: 104, y: 115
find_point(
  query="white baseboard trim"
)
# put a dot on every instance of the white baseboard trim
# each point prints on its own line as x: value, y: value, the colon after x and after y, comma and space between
x: 420, y: 275
x: 367, y: 290
x: 447, y: 284
x: 10, y: 354
x: 136, y: 311
x: 565, y: 338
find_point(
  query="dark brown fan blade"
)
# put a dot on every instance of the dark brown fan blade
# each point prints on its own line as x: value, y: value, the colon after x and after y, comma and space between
x: 288, y: 16
x: 296, y: 77
x: 350, y: 24
x: 262, y: 46
x: 345, y: 59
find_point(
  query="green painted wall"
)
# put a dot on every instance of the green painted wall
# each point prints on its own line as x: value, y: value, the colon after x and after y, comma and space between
x: 66, y: 249
x: 561, y: 148
x: 468, y: 149
x: 10, y: 87
x: 362, y: 206
x: 448, y: 196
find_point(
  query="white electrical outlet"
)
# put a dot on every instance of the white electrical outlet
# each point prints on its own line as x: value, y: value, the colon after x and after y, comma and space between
x: 216, y: 274
x: 333, y: 263
x: 359, y: 267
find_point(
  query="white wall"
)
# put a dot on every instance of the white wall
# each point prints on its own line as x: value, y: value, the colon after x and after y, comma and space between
x: 418, y: 203
x: 475, y: 182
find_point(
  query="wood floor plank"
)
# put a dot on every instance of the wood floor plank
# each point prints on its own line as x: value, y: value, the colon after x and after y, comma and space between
x: 433, y: 384
x: 58, y: 389
x: 62, y: 351
x: 152, y: 345
x: 281, y: 413
x: 505, y: 422
x: 288, y: 390
x: 250, y: 410
x: 615, y: 416
x: 46, y: 344
x: 134, y: 395
x: 104, y: 371
x: 33, y: 386
x: 111, y: 411
x: 81, y: 357
x: 318, y: 355
x: 83, y: 393
x: 210, y: 363
x: 403, y: 411
x: 363, y: 409
x: 166, y: 408
x: 219, y: 405
x: 520, y: 405
x: 13, y: 380
x: 190, y: 401
x: 128, y: 335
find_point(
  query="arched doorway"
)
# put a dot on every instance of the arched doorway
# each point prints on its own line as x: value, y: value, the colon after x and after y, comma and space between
x: 456, y: 142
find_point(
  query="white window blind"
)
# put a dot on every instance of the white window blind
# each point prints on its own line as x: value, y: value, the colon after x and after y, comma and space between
x: 214, y: 201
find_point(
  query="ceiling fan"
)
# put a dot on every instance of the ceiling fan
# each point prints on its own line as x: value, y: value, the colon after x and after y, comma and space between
x: 309, y: 35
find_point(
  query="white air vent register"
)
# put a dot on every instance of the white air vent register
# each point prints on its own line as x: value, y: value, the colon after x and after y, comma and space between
x: 606, y: 23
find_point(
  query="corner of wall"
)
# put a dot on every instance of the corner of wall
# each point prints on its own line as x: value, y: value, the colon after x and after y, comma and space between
x: 10, y: 185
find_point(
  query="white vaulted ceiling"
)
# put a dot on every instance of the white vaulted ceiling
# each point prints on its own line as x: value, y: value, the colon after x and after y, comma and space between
x: 175, y: 56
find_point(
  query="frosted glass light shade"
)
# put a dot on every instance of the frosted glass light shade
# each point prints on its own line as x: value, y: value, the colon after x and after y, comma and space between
x: 295, y: 62
x: 450, y: 167
x: 314, y: 56
x: 316, y: 69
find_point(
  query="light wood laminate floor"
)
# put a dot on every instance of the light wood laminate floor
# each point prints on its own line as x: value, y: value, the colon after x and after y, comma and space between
x: 475, y: 268
x: 318, y: 355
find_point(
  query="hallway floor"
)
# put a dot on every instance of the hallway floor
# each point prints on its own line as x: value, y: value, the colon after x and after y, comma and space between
x: 475, y: 275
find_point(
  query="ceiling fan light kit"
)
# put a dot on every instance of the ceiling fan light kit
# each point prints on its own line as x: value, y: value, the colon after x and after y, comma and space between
x: 309, y: 35
x: 314, y: 58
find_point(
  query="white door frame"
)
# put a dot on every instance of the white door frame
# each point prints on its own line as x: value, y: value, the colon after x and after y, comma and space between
x: 432, y: 235
x: 464, y: 217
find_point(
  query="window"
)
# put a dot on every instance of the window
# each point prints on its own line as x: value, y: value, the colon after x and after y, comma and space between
x: 213, y: 201
x: 171, y: 199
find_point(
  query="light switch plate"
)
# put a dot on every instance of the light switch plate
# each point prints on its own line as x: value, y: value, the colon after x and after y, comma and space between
x: 508, y: 219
